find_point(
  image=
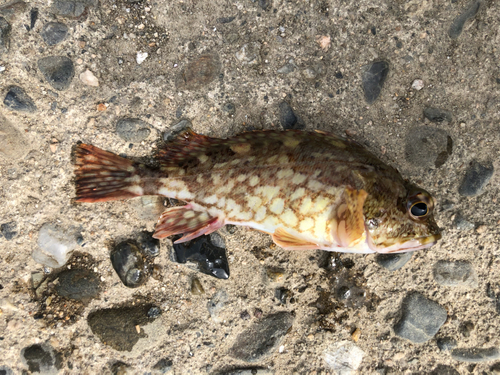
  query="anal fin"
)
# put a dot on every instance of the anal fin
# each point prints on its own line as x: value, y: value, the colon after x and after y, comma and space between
x: 188, y: 221
x: 289, y: 242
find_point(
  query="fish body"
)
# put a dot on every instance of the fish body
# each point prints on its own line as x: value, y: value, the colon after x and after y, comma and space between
x: 309, y: 190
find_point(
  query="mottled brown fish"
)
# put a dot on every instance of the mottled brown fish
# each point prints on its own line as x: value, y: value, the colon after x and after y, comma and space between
x: 309, y: 190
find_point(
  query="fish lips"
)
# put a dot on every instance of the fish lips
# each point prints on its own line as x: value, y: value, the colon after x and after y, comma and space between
x: 407, y: 245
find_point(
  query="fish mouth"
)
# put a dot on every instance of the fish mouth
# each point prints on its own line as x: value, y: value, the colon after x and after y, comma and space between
x: 407, y: 244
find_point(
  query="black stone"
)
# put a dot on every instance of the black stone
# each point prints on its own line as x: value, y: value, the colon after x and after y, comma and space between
x: 475, y: 355
x: 39, y: 358
x: 475, y: 180
x: 458, y: 23
x: 57, y: 70
x: 150, y: 246
x: 9, y: 230
x: 421, y: 318
x: 446, y: 343
x: 282, y: 294
x: 116, y: 327
x: 163, y: 365
x: 17, y: 100
x: 54, y: 33
x: 132, y: 129
x: 261, y: 338
x: 128, y: 263
x: 428, y: 147
x: 288, y: 118
x: 5, y: 30
x: 209, y: 258
x: 373, y: 78
x: 33, y: 17
x: 437, y: 115
x: 171, y: 133
x: 78, y: 284
x: 393, y: 262
x: 444, y: 370
x: 154, y: 312
x: 225, y: 19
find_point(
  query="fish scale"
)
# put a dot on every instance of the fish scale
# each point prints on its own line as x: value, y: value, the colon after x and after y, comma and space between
x: 309, y: 190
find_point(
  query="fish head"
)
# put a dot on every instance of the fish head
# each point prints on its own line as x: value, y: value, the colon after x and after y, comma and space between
x: 401, y: 222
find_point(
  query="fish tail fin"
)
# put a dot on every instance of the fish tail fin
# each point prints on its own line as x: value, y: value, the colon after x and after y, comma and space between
x: 102, y: 176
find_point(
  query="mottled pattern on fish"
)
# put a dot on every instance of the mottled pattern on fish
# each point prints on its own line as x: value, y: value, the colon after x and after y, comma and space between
x: 307, y: 189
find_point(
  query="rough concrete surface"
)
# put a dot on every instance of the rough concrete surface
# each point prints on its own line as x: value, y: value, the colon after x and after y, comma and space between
x: 227, y: 66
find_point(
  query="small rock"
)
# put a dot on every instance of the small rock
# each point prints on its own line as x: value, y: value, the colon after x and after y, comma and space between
x: 199, y: 72
x: 13, y: 8
x: 288, y: 118
x: 132, y: 129
x: 13, y: 144
x: 462, y: 223
x: 5, y: 30
x: 475, y: 180
x: 287, y: 68
x: 4, y: 370
x: 249, y: 54
x: 9, y: 230
x: 374, y: 77
x: 71, y: 9
x: 78, y: 284
x: 141, y: 57
x: 17, y: 100
x: 281, y: 294
x: 57, y: 70
x: 393, y: 262
x: 421, y: 318
x: 229, y: 108
x: 88, y: 78
x: 128, y: 263
x: 428, y: 147
x: 33, y: 17
x: 343, y: 357
x: 55, y: 245
x: 437, y: 115
x: 418, y: 84
x: 313, y: 72
x: 163, y: 365
x: 261, y: 338
x: 475, y: 355
x: 225, y: 19
x: 117, y: 327
x: 446, y: 343
x: 444, y: 370
x: 150, y: 246
x: 458, y: 23
x: 54, y: 33
x: 171, y: 133
x: 216, y: 304
x: 458, y: 273
x: 196, y: 287
x: 40, y: 358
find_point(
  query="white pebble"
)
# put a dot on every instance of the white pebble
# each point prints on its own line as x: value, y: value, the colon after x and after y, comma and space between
x: 418, y: 84
x: 141, y: 56
x: 282, y: 348
x: 343, y: 357
x: 55, y: 246
x: 89, y: 78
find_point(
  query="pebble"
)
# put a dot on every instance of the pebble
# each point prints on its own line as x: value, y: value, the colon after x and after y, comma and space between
x: 40, y: 358
x: 287, y: 68
x: 33, y: 18
x: 55, y: 245
x: 475, y: 180
x: 458, y: 23
x: 393, y: 262
x: 129, y: 264
x: 17, y: 100
x: 132, y: 129
x: 172, y: 132
x: 313, y: 72
x: 475, y: 355
x: 117, y: 327
x: 461, y: 223
x: 229, y: 108
x: 261, y: 338
x: 216, y: 304
x: 437, y: 115
x: 13, y: 8
x: 343, y: 357
x: 5, y: 30
x: 225, y: 19
x: 288, y: 118
x: 57, y: 70
x: 54, y: 33
x: 88, y: 78
x: 446, y: 343
x: 455, y: 273
x: 141, y: 57
x: 71, y: 9
x: 444, y: 370
x: 164, y: 366
x: 249, y: 54
x: 196, y: 287
x: 373, y: 78
x: 8, y: 230
x: 13, y: 144
x: 418, y: 84
x: 78, y: 284
x: 199, y: 72
x: 421, y: 318
x: 150, y: 246
x: 206, y: 256
x: 428, y: 147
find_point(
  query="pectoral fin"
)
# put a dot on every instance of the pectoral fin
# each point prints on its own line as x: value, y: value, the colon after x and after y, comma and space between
x: 289, y: 242
x: 350, y: 219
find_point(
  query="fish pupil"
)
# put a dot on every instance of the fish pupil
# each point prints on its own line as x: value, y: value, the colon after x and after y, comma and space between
x: 419, y: 209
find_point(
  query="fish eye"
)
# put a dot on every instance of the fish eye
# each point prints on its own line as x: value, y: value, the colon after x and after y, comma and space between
x: 419, y: 209
x: 419, y: 204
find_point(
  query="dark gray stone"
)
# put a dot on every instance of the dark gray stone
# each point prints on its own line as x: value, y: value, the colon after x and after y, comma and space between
x: 40, y: 358
x: 475, y: 180
x: 475, y: 355
x: 261, y: 338
x: 72, y: 8
x: 225, y: 19
x: 54, y: 33
x: 437, y: 115
x: 288, y: 118
x: 446, y: 343
x: 9, y: 230
x: 458, y: 23
x: 374, y: 76
x: 462, y: 223
x: 458, y: 273
x: 421, y: 318
x: 33, y: 17
x: 393, y: 262
x: 57, y: 70
x: 163, y: 365
x: 444, y: 370
x: 428, y: 147
x: 172, y: 132
x: 78, y: 284
x: 150, y: 246
x: 229, y: 108
x: 5, y: 30
x: 128, y: 263
x: 132, y: 129
x: 17, y: 100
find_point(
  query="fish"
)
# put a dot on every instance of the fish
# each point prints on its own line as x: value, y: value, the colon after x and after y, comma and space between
x: 307, y: 189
